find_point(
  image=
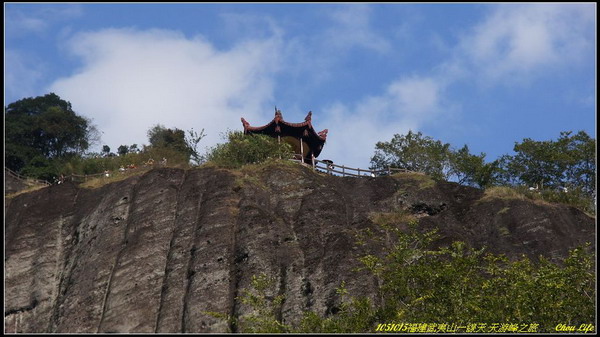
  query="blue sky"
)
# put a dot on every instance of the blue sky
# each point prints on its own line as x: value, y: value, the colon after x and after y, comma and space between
x: 485, y: 75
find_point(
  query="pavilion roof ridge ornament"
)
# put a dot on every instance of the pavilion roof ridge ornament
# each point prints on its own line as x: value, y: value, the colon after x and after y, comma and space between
x: 245, y: 124
x: 308, y: 117
x: 303, y: 132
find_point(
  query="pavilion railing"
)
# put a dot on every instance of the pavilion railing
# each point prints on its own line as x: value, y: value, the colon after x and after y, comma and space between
x: 345, y: 171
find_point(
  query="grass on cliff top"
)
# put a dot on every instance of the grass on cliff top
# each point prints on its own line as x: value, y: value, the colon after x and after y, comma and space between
x: 254, y: 167
x: 424, y: 181
x: 502, y: 192
x: 249, y: 174
x: 102, y: 180
x: 393, y: 218
x: 268, y: 164
x: 515, y: 193
x: 543, y: 197
x: 27, y: 190
x: 511, y: 193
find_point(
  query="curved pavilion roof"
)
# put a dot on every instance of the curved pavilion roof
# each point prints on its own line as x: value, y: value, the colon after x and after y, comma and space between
x: 295, y: 131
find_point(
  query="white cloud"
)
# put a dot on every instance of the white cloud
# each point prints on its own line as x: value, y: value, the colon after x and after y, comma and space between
x: 238, y: 26
x: 22, y: 74
x: 132, y: 80
x: 351, y: 28
x: 405, y: 105
x: 37, y: 18
x: 518, y: 42
x: 315, y: 56
x: 24, y: 25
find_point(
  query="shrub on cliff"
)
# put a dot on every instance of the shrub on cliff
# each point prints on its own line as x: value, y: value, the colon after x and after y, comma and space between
x: 242, y: 149
x: 449, y: 288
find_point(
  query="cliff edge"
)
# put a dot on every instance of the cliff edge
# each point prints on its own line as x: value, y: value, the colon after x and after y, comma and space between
x: 156, y: 252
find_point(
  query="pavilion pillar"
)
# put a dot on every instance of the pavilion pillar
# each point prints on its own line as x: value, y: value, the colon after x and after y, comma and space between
x: 312, y: 156
x: 279, y: 142
x: 301, y: 150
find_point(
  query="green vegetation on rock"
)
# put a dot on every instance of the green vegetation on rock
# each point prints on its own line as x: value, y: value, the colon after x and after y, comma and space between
x: 240, y: 150
x: 453, y: 284
x: 562, y: 170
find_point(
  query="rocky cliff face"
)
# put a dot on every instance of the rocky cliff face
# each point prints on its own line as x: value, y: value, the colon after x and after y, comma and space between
x: 156, y: 252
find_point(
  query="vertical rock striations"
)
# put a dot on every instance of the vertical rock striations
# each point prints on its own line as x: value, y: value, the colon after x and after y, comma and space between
x: 159, y: 252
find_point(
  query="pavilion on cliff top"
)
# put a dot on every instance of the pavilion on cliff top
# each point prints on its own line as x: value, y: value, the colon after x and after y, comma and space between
x: 305, y: 141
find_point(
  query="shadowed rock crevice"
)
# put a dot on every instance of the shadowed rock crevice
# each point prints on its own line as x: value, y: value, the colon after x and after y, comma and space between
x: 30, y: 307
x: 167, y: 269
x: 159, y: 252
x: 190, y: 264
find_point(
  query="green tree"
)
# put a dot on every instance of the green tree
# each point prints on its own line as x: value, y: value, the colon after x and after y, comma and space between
x: 105, y: 150
x: 162, y: 137
x: 192, y: 140
x: 243, y: 149
x: 578, y: 154
x: 472, y: 170
x: 44, y: 126
x: 466, y: 166
x: 537, y: 163
x: 123, y: 150
x: 43, y: 168
x: 569, y: 161
x: 455, y: 283
x: 133, y: 148
x: 414, y: 152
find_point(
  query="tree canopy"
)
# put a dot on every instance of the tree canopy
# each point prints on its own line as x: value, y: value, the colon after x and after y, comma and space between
x: 569, y: 161
x: 44, y: 129
x: 414, y: 152
x: 160, y: 136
